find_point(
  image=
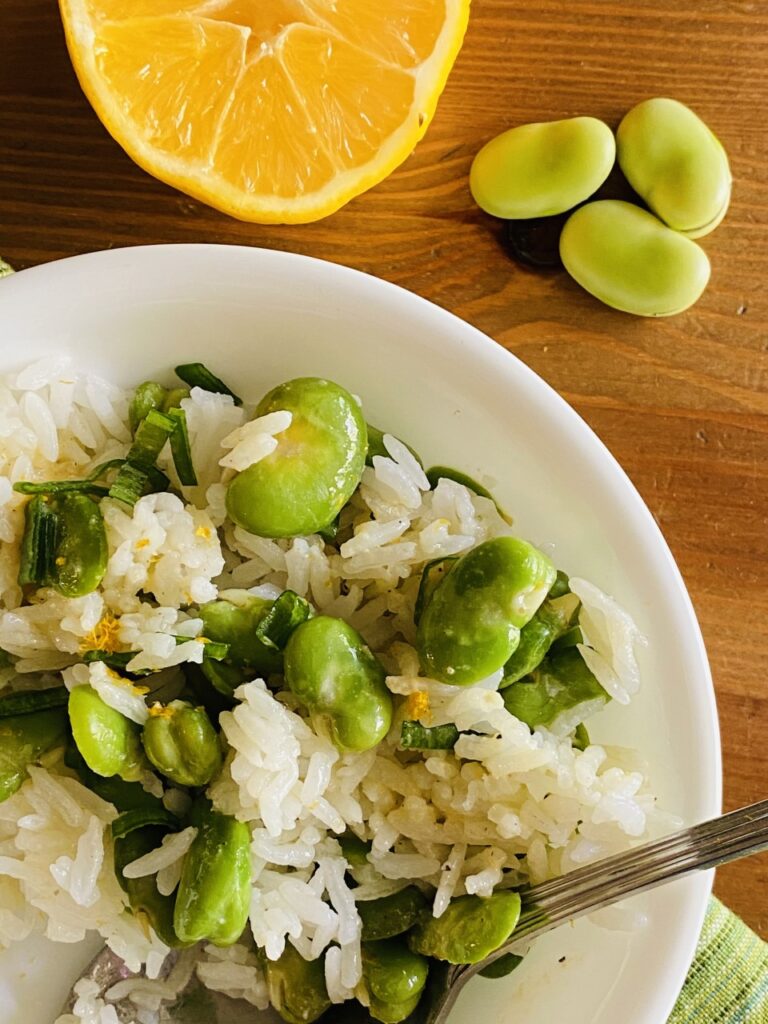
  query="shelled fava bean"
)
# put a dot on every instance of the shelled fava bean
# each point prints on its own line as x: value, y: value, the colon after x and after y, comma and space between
x: 641, y: 261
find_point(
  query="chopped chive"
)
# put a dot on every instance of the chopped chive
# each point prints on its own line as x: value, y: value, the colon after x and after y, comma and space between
x: 151, y: 435
x: 215, y: 651
x: 87, y: 485
x: 61, y: 487
x: 580, y: 737
x: 180, y: 449
x: 415, y: 736
x: 112, y: 659
x: 26, y: 702
x: 197, y: 375
x: 211, y: 649
x: 138, y: 817
x: 38, y: 545
x: 129, y: 484
x: 288, y: 611
x: 354, y: 849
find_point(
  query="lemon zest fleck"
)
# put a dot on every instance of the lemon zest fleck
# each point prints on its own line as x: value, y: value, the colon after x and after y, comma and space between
x: 417, y: 706
x: 103, y: 636
x: 158, y: 710
x: 204, y: 532
x: 142, y: 542
x: 61, y: 560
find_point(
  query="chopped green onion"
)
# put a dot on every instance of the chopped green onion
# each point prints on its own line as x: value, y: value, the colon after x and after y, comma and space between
x: 180, y: 449
x: 431, y: 575
x: 435, y: 473
x: 116, y: 660
x: 197, y: 375
x: 25, y: 702
x: 355, y: 850
x: 38, y: 545
x: 151, y: 435
x: 61, y: 487
x: 570, y: 638
x: 329, y: 532
x: 126, y: 796
x: 415, y: 736
x: 211, y: 649
x: 561, y: 586
x: 129, y: 821
x: 87, y: 485
x: 288, y: 612
x: 129, y: 485
x: 215, y: 651
x: 580, y: 737
x: 502, y: 967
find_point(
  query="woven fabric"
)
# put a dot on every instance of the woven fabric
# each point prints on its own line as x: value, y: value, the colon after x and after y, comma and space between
x: 728, y: 979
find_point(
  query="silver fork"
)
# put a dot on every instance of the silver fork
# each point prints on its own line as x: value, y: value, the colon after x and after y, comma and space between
x: 544, y: 907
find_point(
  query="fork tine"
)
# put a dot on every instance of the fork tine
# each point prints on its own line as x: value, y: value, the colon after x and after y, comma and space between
x: 700, y: 848
x: 669, y: 845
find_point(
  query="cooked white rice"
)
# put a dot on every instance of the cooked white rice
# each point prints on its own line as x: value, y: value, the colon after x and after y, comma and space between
x: 505, y: 807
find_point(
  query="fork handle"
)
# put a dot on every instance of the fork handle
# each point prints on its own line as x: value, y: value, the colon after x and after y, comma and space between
x: 588, y: 889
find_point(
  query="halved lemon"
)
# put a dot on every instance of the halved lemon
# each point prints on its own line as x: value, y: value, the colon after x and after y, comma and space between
x: 276, y: 111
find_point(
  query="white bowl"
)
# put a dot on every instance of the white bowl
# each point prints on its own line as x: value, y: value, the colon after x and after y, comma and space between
x: 258, y: 317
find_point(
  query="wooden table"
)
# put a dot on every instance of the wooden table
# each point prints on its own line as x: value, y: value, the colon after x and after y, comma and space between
x: 682, y: 403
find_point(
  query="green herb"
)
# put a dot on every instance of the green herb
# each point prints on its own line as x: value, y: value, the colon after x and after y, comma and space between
x: 180, y: 449
x: 197, y: 375
x: 415, y: 736
x: 355, y: 850
x: 151, y: 435
x: 288, y: 611
x: 580, y: 737
x: 25, y: 702
x: 38, y: 545
x: 138, y: 817
x: 130, y: 484
x: 502, y: 967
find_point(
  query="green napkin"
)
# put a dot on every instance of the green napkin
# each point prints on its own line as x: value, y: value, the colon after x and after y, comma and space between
x: 728, y: 979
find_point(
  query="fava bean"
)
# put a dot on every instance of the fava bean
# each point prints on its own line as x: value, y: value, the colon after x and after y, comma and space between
x: 108, y: 741
x: 25, y: 738
x: 296, y: 986
x: 471, y: 928
x: 471, y: 624
x: 376, y: 446
x: 146, y: 902
x: 235, y: 624
x: 334, y: 674
x: 147, y: 396
x: 391, y: 915
x: 628, y: 259
x: 64, y: 544
x: 538, y: 170
x: 303, y: 485
x: 214, y: 894
x: 560, y: 683
x: 181, y: 743
x: 395, y: 977
x: 676, y: 163
x: 551, y: 621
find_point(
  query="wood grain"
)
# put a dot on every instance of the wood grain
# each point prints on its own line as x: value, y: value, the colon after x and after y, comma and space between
x: 682, y: 403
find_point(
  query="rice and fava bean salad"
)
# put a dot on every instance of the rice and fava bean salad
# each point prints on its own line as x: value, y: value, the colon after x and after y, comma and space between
x: 276, y: 696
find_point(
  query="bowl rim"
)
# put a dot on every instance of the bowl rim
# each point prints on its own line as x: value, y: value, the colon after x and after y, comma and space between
x: 503, y: 363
